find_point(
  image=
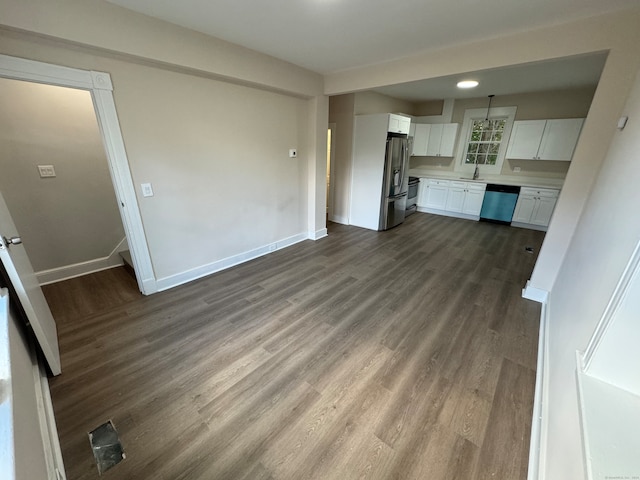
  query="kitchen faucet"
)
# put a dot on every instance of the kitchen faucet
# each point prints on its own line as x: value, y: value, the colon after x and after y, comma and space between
x: 476, y: 172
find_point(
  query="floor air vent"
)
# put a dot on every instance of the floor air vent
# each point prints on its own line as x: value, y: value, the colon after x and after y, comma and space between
x: 106, y: 446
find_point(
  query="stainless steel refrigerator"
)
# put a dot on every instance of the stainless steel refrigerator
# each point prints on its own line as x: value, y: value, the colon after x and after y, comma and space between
x: 395, y: 183
x: 379, y: 176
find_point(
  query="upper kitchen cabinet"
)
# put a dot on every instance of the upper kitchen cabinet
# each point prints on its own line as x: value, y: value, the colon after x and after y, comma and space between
x: 420, y: 139
x: 544, y: 139
x: 434, y: 140
x: 399, y: 124
x: 442, y: 139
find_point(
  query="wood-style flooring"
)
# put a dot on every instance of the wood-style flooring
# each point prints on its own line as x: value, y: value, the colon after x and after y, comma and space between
x: 406, y: 354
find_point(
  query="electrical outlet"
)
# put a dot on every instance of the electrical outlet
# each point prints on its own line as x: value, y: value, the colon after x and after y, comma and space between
x: 293, y: 152
x: 46, y: 171
x: 516, y: 169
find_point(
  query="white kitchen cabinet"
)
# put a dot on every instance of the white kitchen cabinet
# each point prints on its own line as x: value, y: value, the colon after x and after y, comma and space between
x: 560, y: 139
x: 436, y: 194
x: 544, y: 139
x: 442, y: 139
x: 420, y: 139
x: 465, y: 197
x: 473, y: 198
x: 399, y: 124
x: 525, y: 139
x: 423, y: 190
x: 535, y: 206
x: 451, y: 197
x: 455, y: 198
x: 434, y: 140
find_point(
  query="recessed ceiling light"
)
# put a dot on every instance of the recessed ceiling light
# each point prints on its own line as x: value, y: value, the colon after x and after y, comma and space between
x: 467, y: 84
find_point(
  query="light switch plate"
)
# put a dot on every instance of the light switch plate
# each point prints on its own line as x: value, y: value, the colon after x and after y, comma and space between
x: 147, y: 190
x: 293, y: 152
x: 46, y: 171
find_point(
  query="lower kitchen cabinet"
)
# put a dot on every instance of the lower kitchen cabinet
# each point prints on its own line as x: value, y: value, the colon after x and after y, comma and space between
x: 473, y: 198
x: 465, y: 197
x: 432, y: 193
x: 459, y: 199
x: 535, y: 207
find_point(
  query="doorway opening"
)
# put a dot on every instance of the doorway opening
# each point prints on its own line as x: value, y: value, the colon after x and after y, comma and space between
x: 330, y: 170
x: 56, y: 182
x: 100, y: 88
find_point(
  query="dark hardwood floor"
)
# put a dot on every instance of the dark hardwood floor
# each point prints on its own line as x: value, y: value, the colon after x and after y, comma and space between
x: 406, y: 354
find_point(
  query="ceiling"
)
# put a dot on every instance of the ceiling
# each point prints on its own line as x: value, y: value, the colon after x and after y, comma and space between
x: 564, y: 73
x: 333, y: 35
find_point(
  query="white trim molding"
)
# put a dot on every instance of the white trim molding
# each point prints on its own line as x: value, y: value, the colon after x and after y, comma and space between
x: 465, y: 134
x: 66, y: 272
x: 184, y: 277
x: 632, y: 269
x: 100, y: 86
x: 539, y: 425
x: 534, y: 293
x: 318, y: 234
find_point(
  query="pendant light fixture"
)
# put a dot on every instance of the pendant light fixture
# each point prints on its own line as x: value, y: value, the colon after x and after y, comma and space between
x: 486, y: 118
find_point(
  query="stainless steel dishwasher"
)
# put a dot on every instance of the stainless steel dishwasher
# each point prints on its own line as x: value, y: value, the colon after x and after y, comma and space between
x: 499, y: 203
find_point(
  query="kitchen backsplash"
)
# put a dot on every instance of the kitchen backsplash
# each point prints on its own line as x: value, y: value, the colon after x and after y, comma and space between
x: 528, y: 168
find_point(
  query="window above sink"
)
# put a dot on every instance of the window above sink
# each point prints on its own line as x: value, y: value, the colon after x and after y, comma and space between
x: 484, y: 142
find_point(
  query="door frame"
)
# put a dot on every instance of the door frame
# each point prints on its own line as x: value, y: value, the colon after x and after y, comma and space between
x: 332, y: 171
x: 101, y: 89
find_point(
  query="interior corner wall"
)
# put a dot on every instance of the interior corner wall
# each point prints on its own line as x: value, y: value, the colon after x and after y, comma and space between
x: 604, y: 241
x: 341, y: 113
x: 215, y: 152
x: 73, y: 217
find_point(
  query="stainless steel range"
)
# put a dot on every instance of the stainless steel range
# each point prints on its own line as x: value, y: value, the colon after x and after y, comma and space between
x: 412, y: 196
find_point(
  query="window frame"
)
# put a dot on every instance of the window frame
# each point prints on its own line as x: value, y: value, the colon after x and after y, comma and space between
x: 508, y: 113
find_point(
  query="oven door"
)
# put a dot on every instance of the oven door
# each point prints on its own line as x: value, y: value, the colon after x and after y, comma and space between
x: 412, y: 193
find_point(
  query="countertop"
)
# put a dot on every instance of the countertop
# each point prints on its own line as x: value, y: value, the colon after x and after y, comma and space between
x: 536, y: 182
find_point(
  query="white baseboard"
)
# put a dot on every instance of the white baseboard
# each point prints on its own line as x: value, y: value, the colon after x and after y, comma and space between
x: 539, y: 429
x: 446, y: 213
x: 339, y: 219
x: 533, y: 293
x: 199, y: 272
x: 529, y: 226
x: 66, y: 272
x: 318, y: 234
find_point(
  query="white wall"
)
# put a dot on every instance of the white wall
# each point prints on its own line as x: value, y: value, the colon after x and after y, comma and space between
x: 617, y: 356
x: 73, y: 217
x: 605, y: 238
x: 215, y: 151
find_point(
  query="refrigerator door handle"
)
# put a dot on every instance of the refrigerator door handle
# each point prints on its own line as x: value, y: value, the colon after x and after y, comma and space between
x: 405, y: 160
